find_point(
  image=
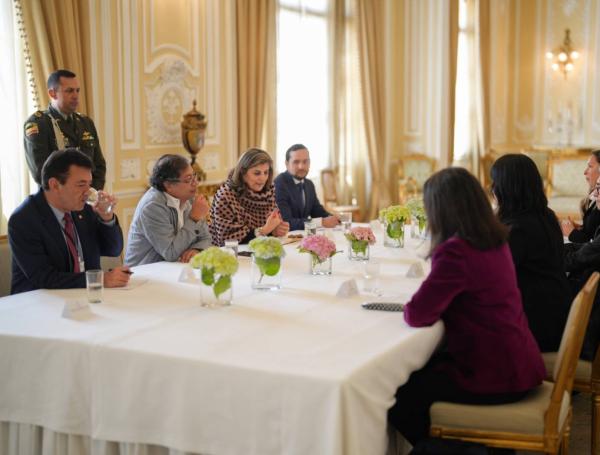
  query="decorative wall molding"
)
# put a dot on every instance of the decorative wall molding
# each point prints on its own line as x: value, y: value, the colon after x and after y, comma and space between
x: 129, y: 74
x: 524, y: 123
x: 102, y: 82
x: 166, y: 100
x: 155, y: 54
x: 499, y: 73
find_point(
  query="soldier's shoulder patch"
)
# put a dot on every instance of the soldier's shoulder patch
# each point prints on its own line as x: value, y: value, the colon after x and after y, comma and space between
x: 31, y: 129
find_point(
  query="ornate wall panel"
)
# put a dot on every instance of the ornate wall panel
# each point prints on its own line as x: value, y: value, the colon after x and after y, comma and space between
x: 499, y: 69
x: 151, y: 59
x: 539, y: 106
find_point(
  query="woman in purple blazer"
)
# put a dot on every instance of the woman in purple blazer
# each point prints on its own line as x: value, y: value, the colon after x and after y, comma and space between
x: 490, y: 355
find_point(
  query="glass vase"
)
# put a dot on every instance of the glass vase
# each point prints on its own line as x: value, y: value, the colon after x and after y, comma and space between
x: 218, y: 294
x: 358, y: 250
x: 319, y: 267
x: 417, y: 227
x: 393, y: 234
x: 266, y: 273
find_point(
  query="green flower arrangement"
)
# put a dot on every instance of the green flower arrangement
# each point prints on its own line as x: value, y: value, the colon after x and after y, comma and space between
x: 395, y: 218
x: 417, y: 210
x: 268, y: 252
x: 217, y: 267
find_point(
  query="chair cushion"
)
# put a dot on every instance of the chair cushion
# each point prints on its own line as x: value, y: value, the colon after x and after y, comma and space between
x: 566, y: 206
x: 583, y: 372
x: 420, y: 170
x: 567, y: 179
x: 525, y: 416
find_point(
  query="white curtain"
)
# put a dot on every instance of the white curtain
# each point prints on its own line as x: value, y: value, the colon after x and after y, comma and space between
x: 15, y: 182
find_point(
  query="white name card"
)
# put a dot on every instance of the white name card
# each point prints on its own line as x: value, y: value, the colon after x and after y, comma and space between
x: 189, y: 275
x: 77, y: 309
x: 415, y: 271
x: 348, y: 288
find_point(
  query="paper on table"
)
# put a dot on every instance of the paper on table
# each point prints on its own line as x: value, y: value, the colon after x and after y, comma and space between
x: 286, y: 240
x: 133, y: 283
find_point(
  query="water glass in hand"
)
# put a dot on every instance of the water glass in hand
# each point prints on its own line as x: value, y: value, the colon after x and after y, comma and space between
x: 98, y: 199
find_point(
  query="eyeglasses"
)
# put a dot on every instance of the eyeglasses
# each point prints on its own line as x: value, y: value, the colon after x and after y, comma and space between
x: 188, y: 180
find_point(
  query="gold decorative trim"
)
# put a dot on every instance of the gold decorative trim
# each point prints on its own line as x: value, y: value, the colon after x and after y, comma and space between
x: 26, y: 53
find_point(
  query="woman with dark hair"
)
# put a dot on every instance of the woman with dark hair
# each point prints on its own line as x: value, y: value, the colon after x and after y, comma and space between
x: 536, y: 244
x: 244, y: 206
x: 581, y: 233
x: 490, y: 355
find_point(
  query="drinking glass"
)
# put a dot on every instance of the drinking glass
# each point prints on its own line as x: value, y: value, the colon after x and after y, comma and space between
x: 371, y: 270
x: 97, y: 198
x: 94, y: 280
x: 310, y: 227
x: 346, y: 220
x: 232, y: 245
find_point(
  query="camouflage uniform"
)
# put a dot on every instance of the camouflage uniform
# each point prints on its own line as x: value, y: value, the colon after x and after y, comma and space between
x: 78, y: 131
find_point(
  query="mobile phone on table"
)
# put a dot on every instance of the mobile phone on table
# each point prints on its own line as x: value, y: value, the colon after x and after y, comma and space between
x: 246, y: 254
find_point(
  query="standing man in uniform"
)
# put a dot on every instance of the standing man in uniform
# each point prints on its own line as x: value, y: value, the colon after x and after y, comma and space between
x: 60, y: 127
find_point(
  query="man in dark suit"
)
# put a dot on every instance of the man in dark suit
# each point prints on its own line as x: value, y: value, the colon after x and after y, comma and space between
x: 295, y: 194
x: 54, y: 236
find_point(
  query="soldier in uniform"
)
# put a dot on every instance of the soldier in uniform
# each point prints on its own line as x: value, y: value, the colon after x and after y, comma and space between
x: 60, y: 126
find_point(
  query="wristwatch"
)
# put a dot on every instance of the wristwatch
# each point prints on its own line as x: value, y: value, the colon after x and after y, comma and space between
x: 258, y: 232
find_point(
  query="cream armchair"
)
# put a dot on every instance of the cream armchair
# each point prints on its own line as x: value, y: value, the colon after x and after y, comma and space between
x: 413, y: 170
x: 566, y: 184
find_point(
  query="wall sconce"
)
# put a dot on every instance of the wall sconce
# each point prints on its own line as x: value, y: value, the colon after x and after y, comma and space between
x: 564, y: 56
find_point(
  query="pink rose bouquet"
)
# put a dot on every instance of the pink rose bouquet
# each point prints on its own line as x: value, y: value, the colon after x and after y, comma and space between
x: 319, y: 247
x: 360, y: 238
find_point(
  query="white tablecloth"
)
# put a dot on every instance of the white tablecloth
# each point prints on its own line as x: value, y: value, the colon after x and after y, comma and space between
x: 296, y: 371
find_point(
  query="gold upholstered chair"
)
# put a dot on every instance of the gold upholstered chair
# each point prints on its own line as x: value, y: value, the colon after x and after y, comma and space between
x: 587, y: 380
x: 330, y: 195
x: 540, y: 421
x: 566, y: 185
x: 541, y: 158
x: 413, y: 170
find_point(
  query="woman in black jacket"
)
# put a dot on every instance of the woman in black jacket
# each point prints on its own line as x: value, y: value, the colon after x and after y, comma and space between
x: 581, y: 259
x: 591, y: 217
x: 536, y: 243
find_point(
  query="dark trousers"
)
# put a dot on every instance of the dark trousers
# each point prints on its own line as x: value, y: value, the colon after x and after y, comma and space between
x: 410, y: 413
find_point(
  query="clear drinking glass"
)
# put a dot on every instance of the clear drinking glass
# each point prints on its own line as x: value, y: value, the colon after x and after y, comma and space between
x: 232, y: 245
x: 98, y: 198
x: 346, y: 220
x: 94, y: 280
x: 371, y: 270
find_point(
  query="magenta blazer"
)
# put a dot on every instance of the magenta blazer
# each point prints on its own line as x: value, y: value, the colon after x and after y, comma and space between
x: 488, y: 339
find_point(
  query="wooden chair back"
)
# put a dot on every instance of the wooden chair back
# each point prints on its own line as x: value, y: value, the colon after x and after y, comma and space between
x: 329, y: 186
x: 568, y: 352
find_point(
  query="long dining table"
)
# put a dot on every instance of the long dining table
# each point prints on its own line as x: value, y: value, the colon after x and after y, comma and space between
x: 301, y: 370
